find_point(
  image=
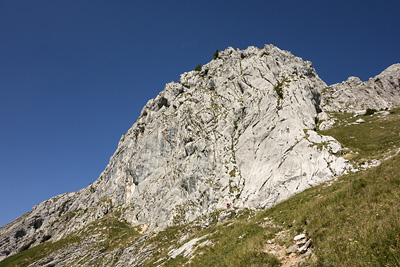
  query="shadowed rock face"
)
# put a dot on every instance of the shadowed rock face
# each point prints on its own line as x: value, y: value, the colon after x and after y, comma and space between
x: 241, y: 131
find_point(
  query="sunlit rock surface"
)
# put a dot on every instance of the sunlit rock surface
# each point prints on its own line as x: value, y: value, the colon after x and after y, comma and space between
x: 380, y: 92
x: 240, y: 131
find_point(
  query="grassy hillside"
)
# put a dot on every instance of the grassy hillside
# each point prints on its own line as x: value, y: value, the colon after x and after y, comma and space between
x: 353, y: 221
x: 378, y: 137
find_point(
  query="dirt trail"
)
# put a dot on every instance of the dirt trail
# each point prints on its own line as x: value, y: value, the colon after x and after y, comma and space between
x: 287, y: 259
x: 275, y: 247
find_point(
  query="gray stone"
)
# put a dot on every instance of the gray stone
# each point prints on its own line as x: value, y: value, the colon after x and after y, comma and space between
x: 357, y: 113
x: 301, y: 242
x: 326, y: 125
x: 292, y: 249
x: 304, y: 248
x: 323, y: 116
x: 335, y: 148
x: 299, y: 237
x: 308, y: 254
x: 380, y: 92
x: 225, y: 215
x: 187, y: 248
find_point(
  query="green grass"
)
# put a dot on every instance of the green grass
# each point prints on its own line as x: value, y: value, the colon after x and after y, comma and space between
x: 236, y: 242
x: 279, y: 88
x: 198, y: 68
x: 114, y: 233
x: 117, y: 233
x: 373, y: 139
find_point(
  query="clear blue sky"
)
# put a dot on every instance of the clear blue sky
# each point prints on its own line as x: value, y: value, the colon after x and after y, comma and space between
x: 75, y: 74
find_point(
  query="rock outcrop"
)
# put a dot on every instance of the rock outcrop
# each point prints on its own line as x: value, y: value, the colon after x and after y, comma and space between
x: 241, y: 130
x: 380, y: 92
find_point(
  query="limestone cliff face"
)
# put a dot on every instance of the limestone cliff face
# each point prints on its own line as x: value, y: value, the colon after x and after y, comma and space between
x: 234, y: 131
x: 241, y: 131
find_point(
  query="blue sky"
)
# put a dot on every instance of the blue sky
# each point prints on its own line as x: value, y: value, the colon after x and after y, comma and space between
x: 74, y: 75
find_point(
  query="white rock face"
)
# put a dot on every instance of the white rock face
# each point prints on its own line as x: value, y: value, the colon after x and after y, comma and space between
x: 326, y: 121
x: 239, y: 131
x: 380, y: 92
x: 187, y: 248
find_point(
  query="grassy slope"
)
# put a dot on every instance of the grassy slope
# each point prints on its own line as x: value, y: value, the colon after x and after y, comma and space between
x: 236, y: 242
x: 110, y: 234
x: 354, y: 221
x: 374, y: 139
x: 36, y: 253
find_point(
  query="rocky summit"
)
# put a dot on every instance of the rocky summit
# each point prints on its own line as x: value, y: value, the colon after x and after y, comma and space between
x: 240, y: 130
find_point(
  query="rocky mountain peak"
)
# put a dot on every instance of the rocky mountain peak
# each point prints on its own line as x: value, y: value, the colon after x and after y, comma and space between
x: 391, y: 70
x: 240, y: 130
x: 352, y: 81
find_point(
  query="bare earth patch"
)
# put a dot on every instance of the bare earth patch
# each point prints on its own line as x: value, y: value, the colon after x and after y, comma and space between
x: 287, y: 259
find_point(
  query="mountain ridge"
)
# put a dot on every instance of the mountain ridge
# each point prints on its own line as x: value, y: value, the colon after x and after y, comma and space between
x: 241, y: 130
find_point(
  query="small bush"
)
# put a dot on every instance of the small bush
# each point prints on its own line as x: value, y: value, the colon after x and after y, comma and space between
x: 279, y: 89
x: 198, y: 68
x: 235, y: 124
x: 216, y: 54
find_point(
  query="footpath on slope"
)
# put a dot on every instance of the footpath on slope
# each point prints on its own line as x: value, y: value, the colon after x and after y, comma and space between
x: 294, y: 255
